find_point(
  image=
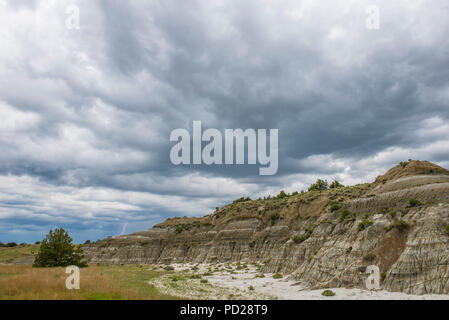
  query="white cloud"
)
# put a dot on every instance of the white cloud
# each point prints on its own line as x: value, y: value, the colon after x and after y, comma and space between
x: 85, y: 115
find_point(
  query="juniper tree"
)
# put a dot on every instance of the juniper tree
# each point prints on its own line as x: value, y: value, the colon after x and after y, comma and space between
x: 57, y: 250
x: 319, y: 185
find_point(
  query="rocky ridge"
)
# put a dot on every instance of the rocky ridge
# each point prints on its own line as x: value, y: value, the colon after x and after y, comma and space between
x: 321, y: 239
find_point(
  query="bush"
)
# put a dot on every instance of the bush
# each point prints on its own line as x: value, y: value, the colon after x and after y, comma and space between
x: 278, y: 276
x: 299, y: 239
x: 37, y: 242
x: 179, y: 229
x: 11, y: 245
x: 274, y: 218
x: 403, y: 164
x: 370, y: 257
x: 242, y: 199
x: 308, y: 233
x: 251, y: 288
x: 335, y: 207
x: 345, y: 214
x: 335, y: 185
x: 414, y: 203
x: 446, y: 229
x: 364, y: 224
x: 57, y: 250
x: 204, y: 281
x: 349, y: 250
x: 401, y: 225
x: 392, y: 214
x: 328, y: 293
x: 282, y: 195
x: 319, y: 185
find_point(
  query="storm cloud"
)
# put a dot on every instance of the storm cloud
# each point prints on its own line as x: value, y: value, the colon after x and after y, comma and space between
x: 86, y: 114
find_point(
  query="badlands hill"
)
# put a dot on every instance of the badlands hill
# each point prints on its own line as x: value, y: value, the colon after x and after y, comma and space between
x: 322, y: 239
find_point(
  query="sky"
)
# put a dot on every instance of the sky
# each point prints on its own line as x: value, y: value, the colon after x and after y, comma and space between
x: 86, y: 113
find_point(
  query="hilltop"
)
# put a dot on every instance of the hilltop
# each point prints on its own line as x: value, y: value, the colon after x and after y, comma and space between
x: 322, y: 239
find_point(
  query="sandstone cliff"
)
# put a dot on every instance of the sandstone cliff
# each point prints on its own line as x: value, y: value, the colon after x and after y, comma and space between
x: 322, y: 239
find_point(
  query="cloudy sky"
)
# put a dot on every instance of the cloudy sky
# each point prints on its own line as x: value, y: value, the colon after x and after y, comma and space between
x: 86, y: 114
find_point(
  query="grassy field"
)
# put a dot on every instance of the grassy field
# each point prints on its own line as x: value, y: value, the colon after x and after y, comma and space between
x: 22, y: 282
x: 11, y: 255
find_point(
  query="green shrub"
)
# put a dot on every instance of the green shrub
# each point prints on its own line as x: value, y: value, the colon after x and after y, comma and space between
x: 392, y: 214
x: 446, y: 229
x: 328, y: 293
x: 319, y: 185
x: 345, y: 214
x: 335, y: 207
x: 401, y: 225
x: 364, y: 224
x: 349, y: 250
x: 251, y: 288
x: 274, y: 218
x: 204, y: 281
x: 335, y: 185
x: 282, y: 195
x: 278, y: 276
x: 370, y: 257
x: 11, y: 245
x: 57, y: 250
x: 176, y: 278
x: 179, y: 229
x: 299, y: 239
x: 414, y: 203
x: 242, y: 199
x: 403, y: 164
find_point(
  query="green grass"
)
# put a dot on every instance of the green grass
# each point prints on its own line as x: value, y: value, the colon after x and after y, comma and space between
x: 22, y: 282
x: 11, y: 255
x: 133, y: 277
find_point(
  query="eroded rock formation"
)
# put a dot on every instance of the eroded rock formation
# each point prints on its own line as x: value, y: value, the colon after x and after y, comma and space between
x: 314, y: 242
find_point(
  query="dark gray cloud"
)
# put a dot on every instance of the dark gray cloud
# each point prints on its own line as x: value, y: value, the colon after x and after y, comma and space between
x: 86, y: 114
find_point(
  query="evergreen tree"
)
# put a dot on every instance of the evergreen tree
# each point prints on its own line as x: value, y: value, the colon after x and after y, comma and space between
x: 282, y: 195
x: 319, y: 185
x: 57, y: 250
x: 335, y: 185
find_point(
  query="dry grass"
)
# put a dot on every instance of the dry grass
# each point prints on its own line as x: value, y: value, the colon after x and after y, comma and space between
x: 97, y: 283
x: 10, y: 255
